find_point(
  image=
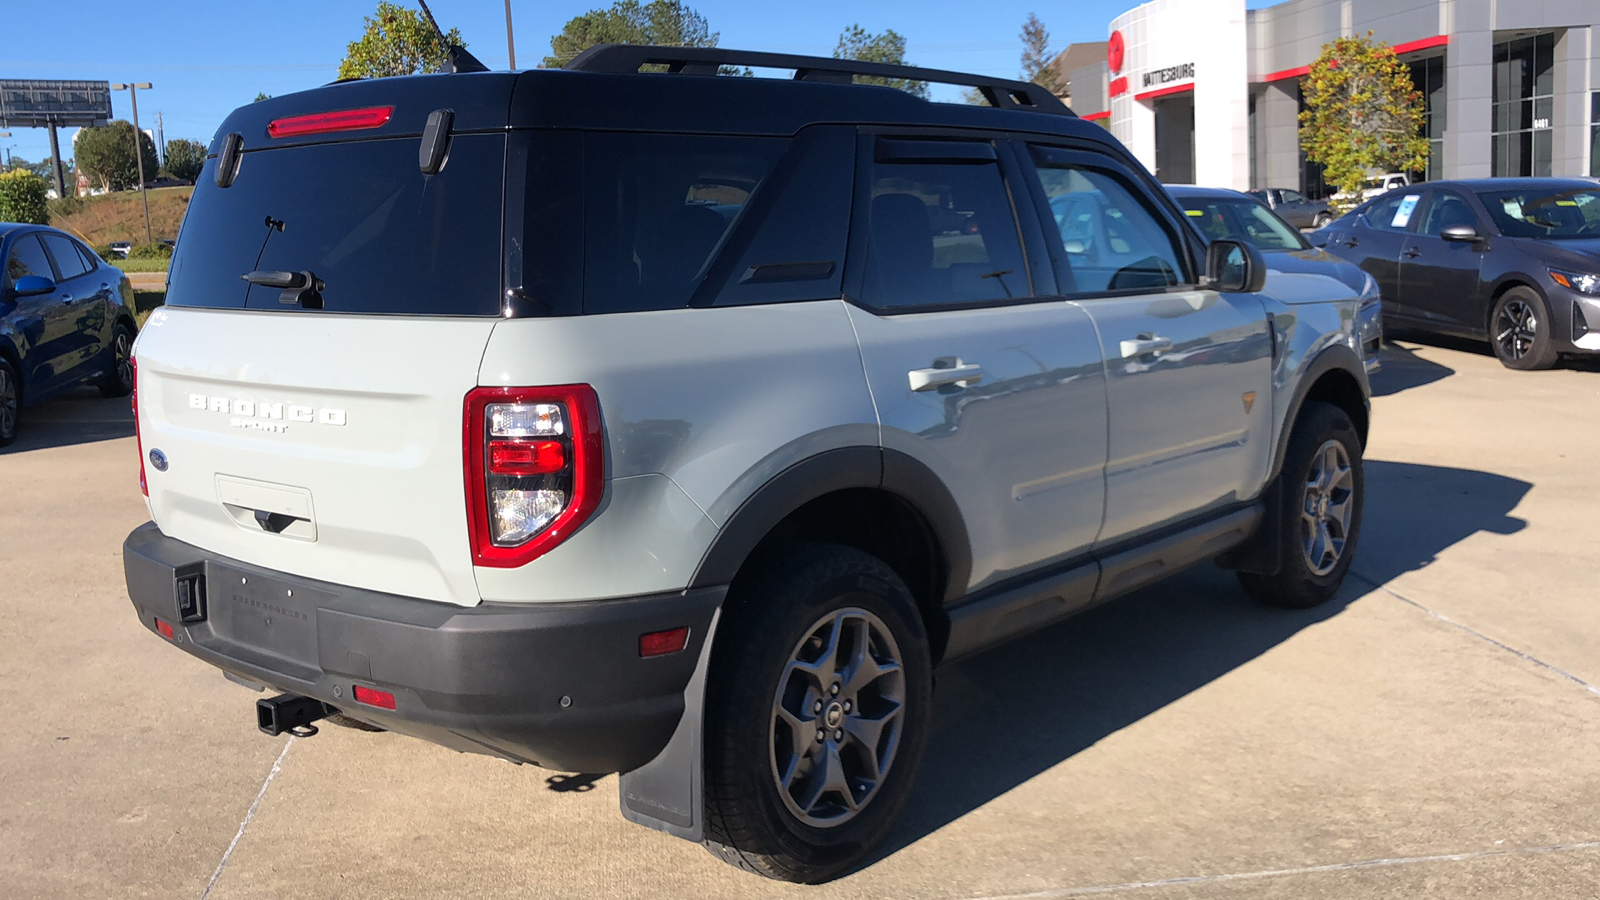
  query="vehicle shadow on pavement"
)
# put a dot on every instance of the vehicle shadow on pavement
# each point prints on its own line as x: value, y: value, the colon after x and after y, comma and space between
x: 76, y: 417
x: 1403, y: 370
x: 1005, y: 716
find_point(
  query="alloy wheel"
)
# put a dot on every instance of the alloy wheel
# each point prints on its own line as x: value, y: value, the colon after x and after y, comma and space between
x: 122, y: 347
x: 837, y: 717
x: 8, y: 403
x: 1516, y: 328
x: 1327, y: 508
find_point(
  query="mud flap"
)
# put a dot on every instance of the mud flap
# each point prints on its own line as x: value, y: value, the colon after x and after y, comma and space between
x: 667, y: 793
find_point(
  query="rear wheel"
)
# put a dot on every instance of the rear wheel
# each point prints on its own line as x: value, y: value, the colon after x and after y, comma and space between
x: 1520, y: 330
x: 817, y: 714
x: 10, y: 402
x: 1321, y: 490
x: 118, y: 380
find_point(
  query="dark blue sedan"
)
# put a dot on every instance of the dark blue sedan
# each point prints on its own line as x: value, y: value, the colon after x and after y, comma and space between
x: 66, y: 317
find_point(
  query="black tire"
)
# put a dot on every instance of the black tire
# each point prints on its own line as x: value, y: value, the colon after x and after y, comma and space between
x: 118, y: 379
x: 1299, y: 583
x: 773, y: 611
x: 1320, y: 220
x: 10, y: 402
x: 1520, y: 331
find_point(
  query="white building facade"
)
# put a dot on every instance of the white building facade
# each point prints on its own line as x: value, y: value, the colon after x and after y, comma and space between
x: 1204, y: 91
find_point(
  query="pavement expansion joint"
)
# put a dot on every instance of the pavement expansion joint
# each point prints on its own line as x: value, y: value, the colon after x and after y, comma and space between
x: 249, y: 814
x: 1527, y: 657
x: 1282, y: 873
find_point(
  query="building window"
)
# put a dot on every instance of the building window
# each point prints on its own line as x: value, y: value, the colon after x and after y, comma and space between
x: 1594, y: 134
x: 1524, y: 85
x: 1312, y: 182
x: 1428, y: 76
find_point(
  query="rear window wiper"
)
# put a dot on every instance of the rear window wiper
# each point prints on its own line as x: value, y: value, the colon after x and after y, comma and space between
x: 303, y: 288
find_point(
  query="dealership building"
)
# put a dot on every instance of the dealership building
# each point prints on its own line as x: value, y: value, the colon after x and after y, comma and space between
x: 1205, y: 91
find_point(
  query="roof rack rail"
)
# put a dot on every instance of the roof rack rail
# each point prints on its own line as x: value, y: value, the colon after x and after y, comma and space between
x: 620, y: 59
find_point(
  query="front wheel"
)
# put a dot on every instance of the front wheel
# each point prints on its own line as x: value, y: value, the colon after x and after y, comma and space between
x: 1320, y: 492
x: 1520, y: 330
x: 10, y: 402
x: 1321, y: 220
x: 817, y: 713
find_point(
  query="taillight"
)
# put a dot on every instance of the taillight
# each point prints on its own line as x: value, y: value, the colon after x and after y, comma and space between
x: 535, y: 469
x: 319, y: 123
x: 138, y: 440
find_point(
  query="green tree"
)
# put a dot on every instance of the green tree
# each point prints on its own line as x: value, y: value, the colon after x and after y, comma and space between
x: 1037, y: 59
x: 394, y: 41
x: 106, y: 155
x: 185, y: 158
x: 22, y: 198
x: 1362, y: 115
x: 889, y: 47
x: 662, y: 23
x: 40, y: 168
x: 260, y: 96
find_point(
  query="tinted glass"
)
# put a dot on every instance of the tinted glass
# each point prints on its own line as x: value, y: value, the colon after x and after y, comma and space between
x: 1535, y: 213
x: 68, y: 262
x: 1240, y: 220
x: 1446, y: 210
x: 1392, y: 212
x: 1109, y: 240
x: 27, y: 258
x: 1292, y: 197
x: 90, y: 261
x: 658, y: 207
x: 361, y: 217
x: 940, y: 234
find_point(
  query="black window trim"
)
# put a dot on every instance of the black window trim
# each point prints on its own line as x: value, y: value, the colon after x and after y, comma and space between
x: 867, y: 138
x: 1181, y: 234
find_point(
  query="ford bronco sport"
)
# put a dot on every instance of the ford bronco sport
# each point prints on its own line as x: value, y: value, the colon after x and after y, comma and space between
x: 626, y: 418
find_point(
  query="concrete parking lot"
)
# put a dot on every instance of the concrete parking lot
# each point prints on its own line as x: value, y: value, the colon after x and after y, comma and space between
x: 1432, y: 732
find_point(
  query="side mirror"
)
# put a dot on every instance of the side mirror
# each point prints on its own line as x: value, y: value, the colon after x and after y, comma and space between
x: 1459, y: 233
x: 28, y: 285
x: 1234, y: 267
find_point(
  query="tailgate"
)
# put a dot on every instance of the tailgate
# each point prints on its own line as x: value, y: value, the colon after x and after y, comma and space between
x: 330, y: 450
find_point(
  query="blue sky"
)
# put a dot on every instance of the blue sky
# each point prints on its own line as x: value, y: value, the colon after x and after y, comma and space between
x: 215, y: 57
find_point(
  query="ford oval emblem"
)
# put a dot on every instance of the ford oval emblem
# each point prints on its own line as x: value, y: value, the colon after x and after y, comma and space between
x: 158, y: 459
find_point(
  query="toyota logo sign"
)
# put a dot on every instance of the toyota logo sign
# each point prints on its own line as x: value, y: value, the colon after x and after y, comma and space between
x: 1114, y: 52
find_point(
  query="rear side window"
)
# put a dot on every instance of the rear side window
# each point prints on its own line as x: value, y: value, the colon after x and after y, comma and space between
x: 358, y: 215
x: 1393, y: 212
x: 27, y: 258
x: 657, y: 209
x: 940, y: 234
x: 66, y: 255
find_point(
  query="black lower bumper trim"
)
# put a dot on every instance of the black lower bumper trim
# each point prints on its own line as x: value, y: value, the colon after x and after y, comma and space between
x: 560, y: 685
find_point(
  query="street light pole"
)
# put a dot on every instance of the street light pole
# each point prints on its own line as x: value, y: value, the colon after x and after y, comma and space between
x: 6, y: 134
x: 138, y: 149
x: 511, y: 45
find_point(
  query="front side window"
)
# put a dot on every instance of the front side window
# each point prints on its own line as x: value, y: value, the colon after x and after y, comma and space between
x: 941, y: 234
x: 1109, y: 240
x: 27, y: 258
x: 1446, y: 210
x: 657, y: 209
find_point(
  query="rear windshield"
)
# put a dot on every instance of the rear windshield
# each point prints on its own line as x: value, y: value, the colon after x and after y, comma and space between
x: 361, y: 217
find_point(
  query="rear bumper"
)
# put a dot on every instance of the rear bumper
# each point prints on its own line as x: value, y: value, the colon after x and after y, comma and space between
x: 487, y: 679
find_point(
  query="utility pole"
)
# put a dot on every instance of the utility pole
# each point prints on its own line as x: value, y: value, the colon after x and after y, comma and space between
x: 6, y: 134
x: 511, y: 45
x: 138, y: 149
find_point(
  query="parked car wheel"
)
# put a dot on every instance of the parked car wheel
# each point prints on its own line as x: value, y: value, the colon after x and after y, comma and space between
x: 10, y: 402
x: 1321, y: 489
x: 817, y: 713
x: 1321, y: 219
x: 1519, y: 330
x: 118, y: 380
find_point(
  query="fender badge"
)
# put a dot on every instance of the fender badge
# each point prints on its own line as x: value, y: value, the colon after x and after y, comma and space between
x: 158, y: 460
x: 1249, y: 398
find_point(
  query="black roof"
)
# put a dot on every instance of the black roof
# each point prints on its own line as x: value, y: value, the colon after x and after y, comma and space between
x: 1506, y: 184
x: 602, y: 98
x: 1208, y: 193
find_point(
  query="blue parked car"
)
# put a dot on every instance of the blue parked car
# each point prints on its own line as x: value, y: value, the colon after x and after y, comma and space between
x: 66, y: 317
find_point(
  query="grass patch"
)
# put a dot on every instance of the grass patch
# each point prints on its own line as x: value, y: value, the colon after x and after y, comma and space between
x: 141, y: 265
x: 146, y: 301
x: 120, y: 216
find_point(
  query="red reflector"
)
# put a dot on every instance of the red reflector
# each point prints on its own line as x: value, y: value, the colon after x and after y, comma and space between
x: 165, y: 628
x: 318, y: 123
x: 660, y: 643
x: 526, y: 457
x: 138, y: 440
x: 372, y: 697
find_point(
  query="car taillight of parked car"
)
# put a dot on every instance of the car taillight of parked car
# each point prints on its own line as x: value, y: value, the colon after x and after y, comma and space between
x: 138, y: 439
x: 535, y: 469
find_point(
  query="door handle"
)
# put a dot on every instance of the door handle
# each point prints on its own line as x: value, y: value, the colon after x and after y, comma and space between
x: 1349, y: 241
x: 1142, y: 345
x: 1411, y: 253
x: 963, y: 374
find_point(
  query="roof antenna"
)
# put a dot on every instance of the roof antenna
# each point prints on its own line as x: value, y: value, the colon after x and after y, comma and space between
x: 456, y: 57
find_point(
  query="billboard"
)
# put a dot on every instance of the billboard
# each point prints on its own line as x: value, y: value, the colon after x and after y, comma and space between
x: 39, y: 103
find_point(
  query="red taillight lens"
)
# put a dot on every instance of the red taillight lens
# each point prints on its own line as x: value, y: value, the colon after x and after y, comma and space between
x: 660, y: 643
x: 526, y: 457
x: 319, y: 123
x: 535, y: 470
x: 138, y: 440
x: 372, y: 697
